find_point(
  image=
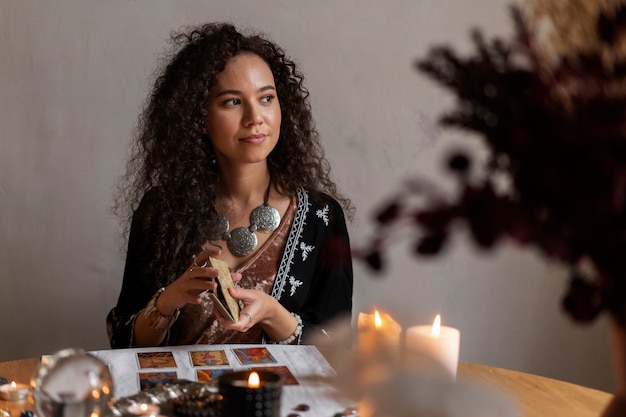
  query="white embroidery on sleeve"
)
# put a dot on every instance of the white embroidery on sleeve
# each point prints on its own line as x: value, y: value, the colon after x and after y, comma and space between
x: 294, y: 285
x: 323, y: 214
x: 306, y: 249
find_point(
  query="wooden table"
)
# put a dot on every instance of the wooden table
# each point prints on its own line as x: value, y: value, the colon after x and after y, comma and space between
x: 537, y: 396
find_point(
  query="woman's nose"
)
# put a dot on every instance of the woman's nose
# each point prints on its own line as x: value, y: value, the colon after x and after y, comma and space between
x: 253, y: 115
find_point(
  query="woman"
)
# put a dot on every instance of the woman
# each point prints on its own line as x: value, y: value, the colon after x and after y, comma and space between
x: 227, y: 163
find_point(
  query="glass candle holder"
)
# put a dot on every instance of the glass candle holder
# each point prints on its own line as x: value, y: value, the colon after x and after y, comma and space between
x: 13, y: 391
x: 242, y: 398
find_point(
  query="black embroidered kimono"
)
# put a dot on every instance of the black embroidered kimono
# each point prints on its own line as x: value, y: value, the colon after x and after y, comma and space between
x: 313, y: 279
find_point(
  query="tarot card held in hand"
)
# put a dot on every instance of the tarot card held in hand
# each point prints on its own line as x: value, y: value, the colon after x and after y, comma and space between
x: 225, y: 303
x: 163, y: 359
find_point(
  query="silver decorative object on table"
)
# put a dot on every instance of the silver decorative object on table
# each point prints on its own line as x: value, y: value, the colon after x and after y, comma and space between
x: 72, y: 383
x: 196, y: 399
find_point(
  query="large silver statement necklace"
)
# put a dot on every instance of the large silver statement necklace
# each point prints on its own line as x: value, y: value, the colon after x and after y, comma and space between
x: 242, y: 240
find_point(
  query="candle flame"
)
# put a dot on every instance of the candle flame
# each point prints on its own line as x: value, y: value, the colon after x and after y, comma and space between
x: 143, y: 407
x: 378, y: 322
x: 254, y: 381
x: 13, y: 385
x: 437, y: 325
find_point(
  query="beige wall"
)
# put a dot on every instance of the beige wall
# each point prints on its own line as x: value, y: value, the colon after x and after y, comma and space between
x: 73, y: 74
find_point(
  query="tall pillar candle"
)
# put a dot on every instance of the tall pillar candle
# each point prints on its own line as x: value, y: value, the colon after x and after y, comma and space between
x: 433, y: 349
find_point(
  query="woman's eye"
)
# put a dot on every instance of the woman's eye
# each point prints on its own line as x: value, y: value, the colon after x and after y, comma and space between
x: 232, y: 102
x: 268, y: 98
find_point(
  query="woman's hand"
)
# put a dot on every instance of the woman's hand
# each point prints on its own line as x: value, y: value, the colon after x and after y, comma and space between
x: 263, y: 309
x: 188, y: 287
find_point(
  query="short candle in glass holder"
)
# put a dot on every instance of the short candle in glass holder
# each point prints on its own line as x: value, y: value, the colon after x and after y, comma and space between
x: 13, y: 391
x: 250, y: 394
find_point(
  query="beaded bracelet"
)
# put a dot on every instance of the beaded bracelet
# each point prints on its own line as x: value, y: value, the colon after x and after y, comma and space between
x: 155, y: 319
x: 296, y: 333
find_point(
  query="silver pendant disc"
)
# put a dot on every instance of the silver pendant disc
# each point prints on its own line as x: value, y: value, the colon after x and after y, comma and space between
x: 222, y: 229
x: 266, y: 218
x: 242, y: 241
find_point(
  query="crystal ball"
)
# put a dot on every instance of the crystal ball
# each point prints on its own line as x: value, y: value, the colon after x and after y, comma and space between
x: 72, y: 383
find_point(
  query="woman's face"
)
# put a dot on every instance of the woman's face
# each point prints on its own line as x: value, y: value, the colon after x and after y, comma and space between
x: 243, y: 114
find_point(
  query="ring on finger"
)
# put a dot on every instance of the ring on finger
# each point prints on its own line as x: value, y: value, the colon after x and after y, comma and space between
x: 248, y: 316
x: 200, y: 266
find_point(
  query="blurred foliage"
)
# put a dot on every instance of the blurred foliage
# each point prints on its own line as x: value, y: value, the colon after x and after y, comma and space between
x: 555, y: 127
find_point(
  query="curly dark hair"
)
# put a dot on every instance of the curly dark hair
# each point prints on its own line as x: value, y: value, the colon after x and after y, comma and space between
x: 170, y: 160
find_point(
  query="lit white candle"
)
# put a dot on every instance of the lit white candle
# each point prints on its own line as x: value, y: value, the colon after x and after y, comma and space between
x: 253, y: 381
x: 13, y: 391
x: 378, y: 332
x: 144, y: 409
x: 433, y: 348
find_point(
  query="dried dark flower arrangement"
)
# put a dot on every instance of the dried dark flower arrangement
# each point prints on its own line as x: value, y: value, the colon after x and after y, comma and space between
x: 555, y: 127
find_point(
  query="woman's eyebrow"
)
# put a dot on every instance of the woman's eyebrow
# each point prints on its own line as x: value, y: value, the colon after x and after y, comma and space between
x: 238, y: 92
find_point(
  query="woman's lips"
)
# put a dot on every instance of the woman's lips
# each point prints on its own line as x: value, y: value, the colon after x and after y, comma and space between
x: 254, y: 138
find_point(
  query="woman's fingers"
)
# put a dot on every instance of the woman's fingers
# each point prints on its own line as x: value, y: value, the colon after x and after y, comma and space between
x: 191, y: 284
x: 247, y: 296
x: 246, y: 321
x: 246, y: 318
x: 199, y: 277
x: 202, y: 259
x: 249, y: 314
x: 207, y: 273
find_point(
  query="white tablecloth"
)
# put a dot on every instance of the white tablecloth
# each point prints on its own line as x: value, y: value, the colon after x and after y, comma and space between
x: 305, y: 362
